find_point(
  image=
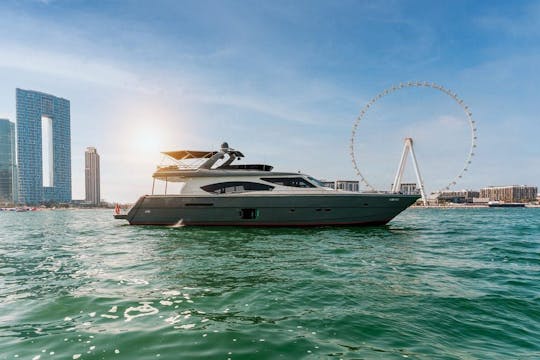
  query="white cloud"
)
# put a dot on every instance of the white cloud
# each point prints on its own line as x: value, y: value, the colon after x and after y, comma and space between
x: 67, y: 65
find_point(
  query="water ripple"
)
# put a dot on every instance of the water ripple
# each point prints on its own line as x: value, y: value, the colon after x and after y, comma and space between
x: 432, y: 284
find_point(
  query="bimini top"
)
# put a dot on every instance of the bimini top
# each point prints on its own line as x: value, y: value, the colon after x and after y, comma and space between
x: 189, y: 154
x: 187, y: 161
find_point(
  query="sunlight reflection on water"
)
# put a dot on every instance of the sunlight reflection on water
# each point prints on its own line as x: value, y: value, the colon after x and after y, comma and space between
x: 432, y: 283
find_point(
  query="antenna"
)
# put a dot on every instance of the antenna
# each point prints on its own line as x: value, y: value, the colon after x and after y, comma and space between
x: 408, y: 147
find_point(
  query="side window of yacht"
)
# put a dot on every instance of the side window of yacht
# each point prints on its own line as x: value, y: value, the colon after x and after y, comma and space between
x: 289, y: 181
x: 315, y: 181
x: 235, y: 186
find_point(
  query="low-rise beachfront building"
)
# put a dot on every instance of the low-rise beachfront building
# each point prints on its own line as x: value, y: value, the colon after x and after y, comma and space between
x: 459, y: 196
x: 347, y: 185
x: 409, y: 189
x: 329, y: 184
x: 512, y: 193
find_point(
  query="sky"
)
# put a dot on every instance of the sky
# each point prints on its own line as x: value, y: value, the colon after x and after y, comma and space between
x: 284, y: 82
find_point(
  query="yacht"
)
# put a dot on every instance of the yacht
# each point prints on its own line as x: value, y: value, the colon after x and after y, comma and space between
x: 215, y: 191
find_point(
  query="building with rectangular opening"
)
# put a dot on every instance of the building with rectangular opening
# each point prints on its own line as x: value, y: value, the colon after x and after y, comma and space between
x: 43, y: 148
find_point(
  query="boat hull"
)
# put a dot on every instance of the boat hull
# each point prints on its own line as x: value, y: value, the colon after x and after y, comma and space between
x: 512, y: 205
x: 268, y: 210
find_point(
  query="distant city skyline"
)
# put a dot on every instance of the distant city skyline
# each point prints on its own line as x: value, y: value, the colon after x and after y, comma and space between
x: 283, y: 82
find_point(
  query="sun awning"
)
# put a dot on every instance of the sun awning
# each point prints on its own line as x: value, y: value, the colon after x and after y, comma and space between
x: 189, y: 154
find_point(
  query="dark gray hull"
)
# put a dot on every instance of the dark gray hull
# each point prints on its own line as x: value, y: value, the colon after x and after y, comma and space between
x: 268, y: 210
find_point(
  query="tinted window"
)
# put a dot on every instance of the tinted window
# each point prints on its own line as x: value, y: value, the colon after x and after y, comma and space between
x: 235, y: 186
x: 315, y: 181
x: 290, y: 181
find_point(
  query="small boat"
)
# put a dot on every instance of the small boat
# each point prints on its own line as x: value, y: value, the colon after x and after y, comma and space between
x: 216, y: 192
x: 498, y: 204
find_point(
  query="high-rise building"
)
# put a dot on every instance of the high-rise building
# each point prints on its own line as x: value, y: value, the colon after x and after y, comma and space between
x: 7, y: 162
x: 43, y: 148
x: 91, y: 170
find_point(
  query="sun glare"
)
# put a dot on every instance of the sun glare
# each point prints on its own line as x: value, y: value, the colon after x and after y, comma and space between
x: 149, y: 127
x: 146, y: 143
x: 147, y: 140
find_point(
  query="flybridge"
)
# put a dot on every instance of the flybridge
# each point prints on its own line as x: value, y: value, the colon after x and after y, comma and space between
x: 193, y: 160
x: 186, y: 159
x: 189, y: 154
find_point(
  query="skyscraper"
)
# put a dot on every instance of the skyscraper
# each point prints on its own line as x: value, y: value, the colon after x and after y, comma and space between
x: 91, y: 166
x: 7, y: 161
x: 43, y: 147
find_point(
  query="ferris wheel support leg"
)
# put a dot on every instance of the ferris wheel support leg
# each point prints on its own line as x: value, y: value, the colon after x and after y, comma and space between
x: 401, y: 168
x: 418, y: 176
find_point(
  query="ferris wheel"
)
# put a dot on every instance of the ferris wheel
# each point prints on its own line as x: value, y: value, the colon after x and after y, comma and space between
x: 417, y: 84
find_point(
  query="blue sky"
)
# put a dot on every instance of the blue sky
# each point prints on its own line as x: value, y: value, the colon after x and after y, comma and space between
x: 283, y: 81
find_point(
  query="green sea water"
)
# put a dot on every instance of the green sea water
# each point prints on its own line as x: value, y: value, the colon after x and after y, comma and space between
x: 433, y: 284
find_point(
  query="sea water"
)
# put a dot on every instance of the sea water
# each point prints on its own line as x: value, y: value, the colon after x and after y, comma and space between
x: 434, y: 283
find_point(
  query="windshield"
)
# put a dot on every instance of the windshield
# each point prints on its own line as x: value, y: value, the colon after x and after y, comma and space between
x: 316, y: 182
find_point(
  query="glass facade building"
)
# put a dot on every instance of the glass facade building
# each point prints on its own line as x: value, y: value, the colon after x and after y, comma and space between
x: 43, y: 148
x: 7, y: 162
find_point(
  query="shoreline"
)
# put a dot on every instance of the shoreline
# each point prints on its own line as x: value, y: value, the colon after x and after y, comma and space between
x: 459, y: 206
